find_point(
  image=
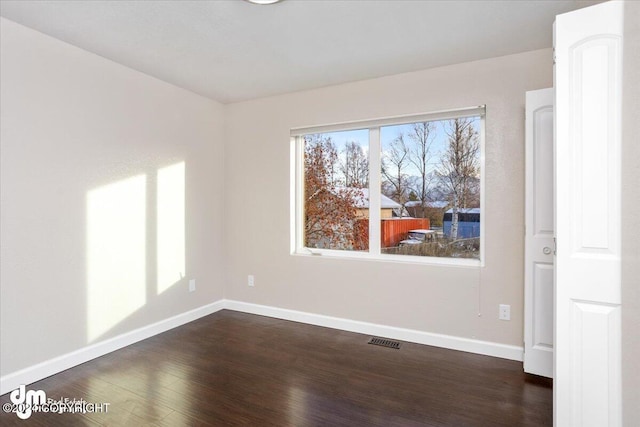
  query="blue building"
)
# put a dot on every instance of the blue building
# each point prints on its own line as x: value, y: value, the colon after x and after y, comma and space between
x: 468, y: 223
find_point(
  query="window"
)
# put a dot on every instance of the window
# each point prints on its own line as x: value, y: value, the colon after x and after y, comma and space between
x: 407, y: 189
x: 336, y: 185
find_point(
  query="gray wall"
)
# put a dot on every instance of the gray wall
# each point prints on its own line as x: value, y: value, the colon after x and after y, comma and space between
x: 76, y: 125
x: 433, y: 298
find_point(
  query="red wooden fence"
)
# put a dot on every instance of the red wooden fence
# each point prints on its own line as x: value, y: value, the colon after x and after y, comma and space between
x: 393, y: 230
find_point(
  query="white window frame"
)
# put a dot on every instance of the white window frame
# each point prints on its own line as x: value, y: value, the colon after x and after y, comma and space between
x: 374, y: 125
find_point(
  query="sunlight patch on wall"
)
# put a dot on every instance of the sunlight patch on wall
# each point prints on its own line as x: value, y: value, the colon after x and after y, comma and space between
x: 116, y: 251
x: 170, y: 233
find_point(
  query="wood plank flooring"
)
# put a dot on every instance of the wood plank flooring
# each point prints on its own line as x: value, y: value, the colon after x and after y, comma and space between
x: 232, y: 368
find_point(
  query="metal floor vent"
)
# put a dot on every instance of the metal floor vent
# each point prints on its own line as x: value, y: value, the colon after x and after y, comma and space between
x: 384, y: 342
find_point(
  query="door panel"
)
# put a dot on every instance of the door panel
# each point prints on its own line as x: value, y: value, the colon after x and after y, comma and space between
x: 538, y: 334
x: 543, y: 311
x: 588, y: 77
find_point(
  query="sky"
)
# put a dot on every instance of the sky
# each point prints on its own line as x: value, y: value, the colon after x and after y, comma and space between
x: 389, y: 133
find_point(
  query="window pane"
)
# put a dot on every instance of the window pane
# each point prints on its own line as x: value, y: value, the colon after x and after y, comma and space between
x: 430, y: 189
x: 336, y: 195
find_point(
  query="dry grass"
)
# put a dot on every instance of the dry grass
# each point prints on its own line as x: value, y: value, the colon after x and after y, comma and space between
x: 444, y: 247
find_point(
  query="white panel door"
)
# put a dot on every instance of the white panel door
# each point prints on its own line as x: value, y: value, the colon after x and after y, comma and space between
x: 588, y: 72
x: 539, y: 244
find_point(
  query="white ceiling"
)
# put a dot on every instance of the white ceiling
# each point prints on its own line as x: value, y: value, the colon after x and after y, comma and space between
x: 231, y: 50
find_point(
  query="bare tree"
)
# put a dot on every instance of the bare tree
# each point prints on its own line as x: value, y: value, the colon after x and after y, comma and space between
x: 459, y: 167
x: 422, y: 135
x: 395, y: 160
x: 355, y: 166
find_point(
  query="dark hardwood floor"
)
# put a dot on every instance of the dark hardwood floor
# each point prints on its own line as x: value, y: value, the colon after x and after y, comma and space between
x: 232, y: 368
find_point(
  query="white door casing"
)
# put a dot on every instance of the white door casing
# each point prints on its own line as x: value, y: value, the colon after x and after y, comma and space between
x: 539, y: 243
x: 588, y: 77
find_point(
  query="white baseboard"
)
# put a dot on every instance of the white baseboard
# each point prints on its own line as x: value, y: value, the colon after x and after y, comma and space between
x: 58, y: 364
x: 487, y: 348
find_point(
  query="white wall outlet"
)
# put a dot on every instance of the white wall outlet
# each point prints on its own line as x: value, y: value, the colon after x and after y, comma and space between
x: 250, y: 280
x: 192, y: 285
x: 504, y: 312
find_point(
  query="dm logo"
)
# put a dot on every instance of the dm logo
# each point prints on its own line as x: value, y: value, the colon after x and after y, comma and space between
x: 26, y: 400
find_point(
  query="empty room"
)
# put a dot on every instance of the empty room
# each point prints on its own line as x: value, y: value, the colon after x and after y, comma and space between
x: 320, y: 212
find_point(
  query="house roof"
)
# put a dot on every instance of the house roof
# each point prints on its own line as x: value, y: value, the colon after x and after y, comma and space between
x: 362, y: 200
x: 435, y: 204
x: 467, y: 210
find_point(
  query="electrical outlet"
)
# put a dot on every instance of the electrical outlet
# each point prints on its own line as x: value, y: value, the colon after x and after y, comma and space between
x: 504, y: 312
x: 192, y: 285
x: 250, y: 280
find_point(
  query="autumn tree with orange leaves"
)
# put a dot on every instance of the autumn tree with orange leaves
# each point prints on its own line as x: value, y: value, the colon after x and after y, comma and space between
x: 331, y: 216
